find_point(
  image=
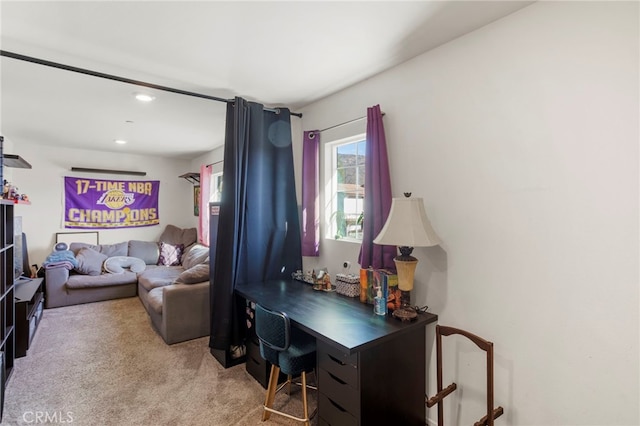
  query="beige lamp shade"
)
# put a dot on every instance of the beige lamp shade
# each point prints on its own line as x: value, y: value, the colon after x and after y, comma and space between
x: 407, y: 225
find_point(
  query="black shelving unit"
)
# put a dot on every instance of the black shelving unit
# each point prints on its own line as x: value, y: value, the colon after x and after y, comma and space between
x: 7, y: 306
x: 7, y: 273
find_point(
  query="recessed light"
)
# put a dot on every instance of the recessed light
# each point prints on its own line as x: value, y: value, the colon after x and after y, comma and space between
x: 143, y: 97
x: 120, y: 141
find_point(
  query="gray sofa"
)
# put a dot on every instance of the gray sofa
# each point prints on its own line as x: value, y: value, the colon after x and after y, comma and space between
x: 175, y: 294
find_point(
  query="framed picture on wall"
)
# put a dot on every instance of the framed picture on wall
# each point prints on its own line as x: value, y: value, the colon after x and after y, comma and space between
x: 196, y: 200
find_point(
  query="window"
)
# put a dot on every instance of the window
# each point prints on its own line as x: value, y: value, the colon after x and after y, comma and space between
x: 215, y: 187
x: 344, y: 189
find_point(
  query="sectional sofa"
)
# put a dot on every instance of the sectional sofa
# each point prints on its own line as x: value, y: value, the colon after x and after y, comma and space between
x: 170, y: 276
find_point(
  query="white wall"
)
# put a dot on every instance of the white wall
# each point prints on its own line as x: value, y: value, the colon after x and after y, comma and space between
x: 44, y: 186
x: 214, y: 157
x: 522, y: 137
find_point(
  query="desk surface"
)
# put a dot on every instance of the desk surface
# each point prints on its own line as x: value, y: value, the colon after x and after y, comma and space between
x: 342, y: 322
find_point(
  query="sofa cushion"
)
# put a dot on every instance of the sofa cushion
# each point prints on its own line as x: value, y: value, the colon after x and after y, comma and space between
x: 148, y: 251
x: 155, y: 299
x: 90, y: 261
x: 195, y: 255
x: 117, y: 264
x: 103, y: 280
x: 158, y: 276
x: 196, y: 274
x: 170, y: 254
x: 111, y: 250
x: 118, y: 249
x: 174, y: 235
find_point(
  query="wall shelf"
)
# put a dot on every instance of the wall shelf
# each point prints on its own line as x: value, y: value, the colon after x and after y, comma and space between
x: 192, y: 177
x: 4, y: 201
x: 11, y: 160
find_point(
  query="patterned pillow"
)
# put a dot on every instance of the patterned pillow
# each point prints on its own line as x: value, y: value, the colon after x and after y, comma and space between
x: 170, y: 254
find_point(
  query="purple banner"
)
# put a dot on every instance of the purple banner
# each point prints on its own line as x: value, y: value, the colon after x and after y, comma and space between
x: 101, y: 203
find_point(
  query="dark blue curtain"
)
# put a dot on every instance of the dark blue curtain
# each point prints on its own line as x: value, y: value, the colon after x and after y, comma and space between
x: 259, y: 229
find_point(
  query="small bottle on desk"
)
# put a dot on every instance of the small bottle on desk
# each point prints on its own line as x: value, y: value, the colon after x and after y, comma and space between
x: 379, y: 303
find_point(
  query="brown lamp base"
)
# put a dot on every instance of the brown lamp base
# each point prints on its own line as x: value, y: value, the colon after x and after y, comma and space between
x: 405, y: 314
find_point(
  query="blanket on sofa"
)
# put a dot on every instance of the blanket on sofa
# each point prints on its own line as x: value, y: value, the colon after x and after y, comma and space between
x: 64, y: 258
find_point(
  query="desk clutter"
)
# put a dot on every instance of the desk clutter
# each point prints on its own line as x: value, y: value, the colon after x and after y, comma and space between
x: 371, y: 286
x: 321, y: 280
x: 383, y: 280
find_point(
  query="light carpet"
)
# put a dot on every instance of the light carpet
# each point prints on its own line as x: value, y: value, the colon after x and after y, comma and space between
x: 103, y: 364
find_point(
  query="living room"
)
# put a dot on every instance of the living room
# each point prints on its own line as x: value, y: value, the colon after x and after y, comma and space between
x: 522, y: 138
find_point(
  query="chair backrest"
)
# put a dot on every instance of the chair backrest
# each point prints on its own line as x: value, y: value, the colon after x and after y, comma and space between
x: 485, y: 345
x: 273, y: 328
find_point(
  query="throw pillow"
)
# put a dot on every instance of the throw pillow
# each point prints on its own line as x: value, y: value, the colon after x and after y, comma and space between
x: 194, y: 255
x: 117, y: 264
x: 174, y: 235
x: 197, y: 274
x: 170, y: 255
x: 90, y: 261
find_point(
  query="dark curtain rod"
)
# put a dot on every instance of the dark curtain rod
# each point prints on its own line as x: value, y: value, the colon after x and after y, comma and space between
x: 123, y: 79
x: 313, y: 135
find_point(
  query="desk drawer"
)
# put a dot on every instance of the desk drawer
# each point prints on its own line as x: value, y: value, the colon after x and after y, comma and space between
x: 340, y: 365
x: 257, y: 366
x: 343, y: 394
x: 333, y: 414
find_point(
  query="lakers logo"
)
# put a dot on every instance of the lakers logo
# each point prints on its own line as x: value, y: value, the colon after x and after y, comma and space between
x: 116, y: 199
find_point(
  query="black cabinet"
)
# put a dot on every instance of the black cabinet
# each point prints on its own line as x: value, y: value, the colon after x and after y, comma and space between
x: 381, y: 385
x: 29, y: 307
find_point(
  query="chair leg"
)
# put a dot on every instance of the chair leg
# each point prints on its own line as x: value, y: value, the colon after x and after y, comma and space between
x: 271, y: 391
x: 304, y: 399
x: 289, y: 380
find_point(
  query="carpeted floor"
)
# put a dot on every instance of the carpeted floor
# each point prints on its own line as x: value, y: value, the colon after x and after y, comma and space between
x: 103, y: 364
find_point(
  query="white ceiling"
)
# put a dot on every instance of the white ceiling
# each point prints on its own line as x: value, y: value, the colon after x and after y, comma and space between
x: 278, y: 53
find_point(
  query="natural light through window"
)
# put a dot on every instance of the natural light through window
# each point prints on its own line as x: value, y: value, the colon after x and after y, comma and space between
x: 215, y: 188
x: 344, y: 163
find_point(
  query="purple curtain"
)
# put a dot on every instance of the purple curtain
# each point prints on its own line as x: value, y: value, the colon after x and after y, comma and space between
x: 310, y: 194
x: 377, y: 198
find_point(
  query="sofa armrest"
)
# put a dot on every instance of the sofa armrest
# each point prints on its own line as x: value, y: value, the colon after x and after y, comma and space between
x: 185, y: 311
x: 55, y: 291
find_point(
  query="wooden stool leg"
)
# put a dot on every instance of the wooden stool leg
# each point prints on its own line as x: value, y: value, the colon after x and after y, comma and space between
x: 304, y: 398
x: 271, y: 391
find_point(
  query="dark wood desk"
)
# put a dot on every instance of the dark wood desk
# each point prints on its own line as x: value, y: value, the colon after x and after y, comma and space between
x: 371, y: 369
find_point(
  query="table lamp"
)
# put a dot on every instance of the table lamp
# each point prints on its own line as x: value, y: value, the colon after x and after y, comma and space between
x: 407, y: 227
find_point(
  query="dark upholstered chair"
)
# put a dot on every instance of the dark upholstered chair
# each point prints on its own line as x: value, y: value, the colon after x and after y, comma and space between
x: 289, y: 350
